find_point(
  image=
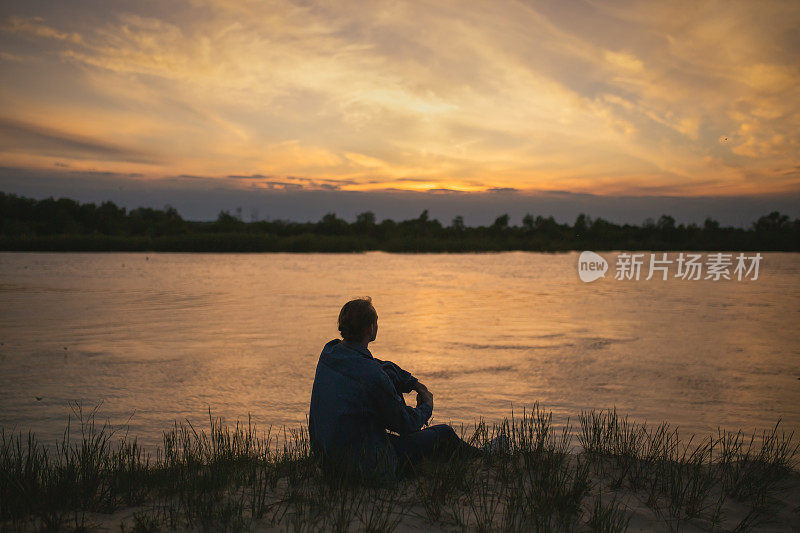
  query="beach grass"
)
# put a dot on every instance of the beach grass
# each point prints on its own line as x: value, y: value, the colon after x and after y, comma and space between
x: 620, y: 474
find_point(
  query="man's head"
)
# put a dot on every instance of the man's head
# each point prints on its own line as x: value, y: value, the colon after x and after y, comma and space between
x: 358, y: 321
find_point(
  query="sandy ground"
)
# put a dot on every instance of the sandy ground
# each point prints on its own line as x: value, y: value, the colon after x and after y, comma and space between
x: 783, y: 516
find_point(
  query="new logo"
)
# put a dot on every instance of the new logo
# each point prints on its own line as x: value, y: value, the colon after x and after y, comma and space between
x: 591, y: 266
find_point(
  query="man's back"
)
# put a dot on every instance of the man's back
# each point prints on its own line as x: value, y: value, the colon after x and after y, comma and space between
x: 354, y: 400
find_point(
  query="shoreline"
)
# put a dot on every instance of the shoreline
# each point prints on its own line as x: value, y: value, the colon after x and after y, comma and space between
x: 308, y: 243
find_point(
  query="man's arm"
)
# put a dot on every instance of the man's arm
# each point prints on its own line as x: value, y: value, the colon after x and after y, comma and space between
x: 395, y: 414
x: 423, y: 394
x: 402, y: 380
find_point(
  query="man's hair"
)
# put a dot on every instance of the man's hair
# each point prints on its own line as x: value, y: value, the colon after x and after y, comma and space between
x: 355, y: 317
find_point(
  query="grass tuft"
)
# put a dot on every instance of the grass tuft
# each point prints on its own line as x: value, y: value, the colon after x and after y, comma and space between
x: 232, y: 478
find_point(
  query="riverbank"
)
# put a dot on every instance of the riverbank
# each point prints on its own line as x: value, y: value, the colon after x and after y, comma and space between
x: 618, y: 475
x: 242, y: 242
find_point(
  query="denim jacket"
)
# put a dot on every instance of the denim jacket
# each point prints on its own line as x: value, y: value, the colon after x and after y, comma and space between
x: 354, y: 400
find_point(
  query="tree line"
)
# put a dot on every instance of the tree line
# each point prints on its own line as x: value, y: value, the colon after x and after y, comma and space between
x: 67, y: 225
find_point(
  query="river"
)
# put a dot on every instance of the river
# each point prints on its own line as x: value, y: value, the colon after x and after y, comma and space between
x: 148, y: 339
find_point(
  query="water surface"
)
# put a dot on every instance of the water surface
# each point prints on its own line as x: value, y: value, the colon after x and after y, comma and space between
x: 154, y: 338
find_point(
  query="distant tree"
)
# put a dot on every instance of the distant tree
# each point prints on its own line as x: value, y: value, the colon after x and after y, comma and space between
x: 227, y: 222
x: 547, y: 224
x: 528, y: 222
x: 665, y: 223
x: 422, y: 225
x: 500, y: 223
x: 225, y: 218
x: 458, y: 223
x: 110, y: 219
x: 601, y: 224
x: 772, y: 222
x: 365, y: 223
x: 170, y: 213
x: 367, y: 218
x: 581, y: 223
x: 387, y: 225
x: 710, y: 225
x: 332, y: 225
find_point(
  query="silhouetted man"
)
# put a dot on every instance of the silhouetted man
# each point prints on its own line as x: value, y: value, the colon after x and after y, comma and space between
x: 357, y: 398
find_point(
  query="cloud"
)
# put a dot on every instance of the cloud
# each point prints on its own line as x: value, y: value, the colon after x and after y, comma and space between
x: 19, y: 136
x: 605, y: 97
x: 445, y: 191
x: 5, y: 56
x: 34, y: 27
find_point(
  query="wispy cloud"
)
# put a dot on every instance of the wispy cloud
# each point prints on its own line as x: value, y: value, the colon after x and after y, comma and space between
x: 610, y: 98
x: 45, y: 141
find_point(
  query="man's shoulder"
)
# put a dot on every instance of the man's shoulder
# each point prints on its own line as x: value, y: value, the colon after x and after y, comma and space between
x: 336, y: 353
x: 333, y: 348
x: 331, y: 344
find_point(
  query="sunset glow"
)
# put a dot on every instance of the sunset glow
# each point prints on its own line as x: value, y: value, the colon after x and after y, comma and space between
x: 622, y: 98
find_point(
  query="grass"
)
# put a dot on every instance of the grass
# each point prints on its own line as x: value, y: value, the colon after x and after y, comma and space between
x: 231, y: 478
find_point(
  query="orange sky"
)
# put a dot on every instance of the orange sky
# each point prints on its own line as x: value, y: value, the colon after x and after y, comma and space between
x: 616, y: 98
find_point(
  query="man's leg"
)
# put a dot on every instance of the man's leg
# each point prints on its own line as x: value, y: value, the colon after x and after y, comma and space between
x: 434, y: 442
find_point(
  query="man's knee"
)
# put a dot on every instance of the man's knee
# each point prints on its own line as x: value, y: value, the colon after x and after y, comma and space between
x: 441, y: 431
x: 445, y: 435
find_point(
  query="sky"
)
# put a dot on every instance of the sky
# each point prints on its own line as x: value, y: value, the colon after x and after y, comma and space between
x: 293, y: 109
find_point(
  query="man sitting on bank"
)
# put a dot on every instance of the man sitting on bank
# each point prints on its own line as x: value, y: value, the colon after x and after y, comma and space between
x: 356, y: 398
